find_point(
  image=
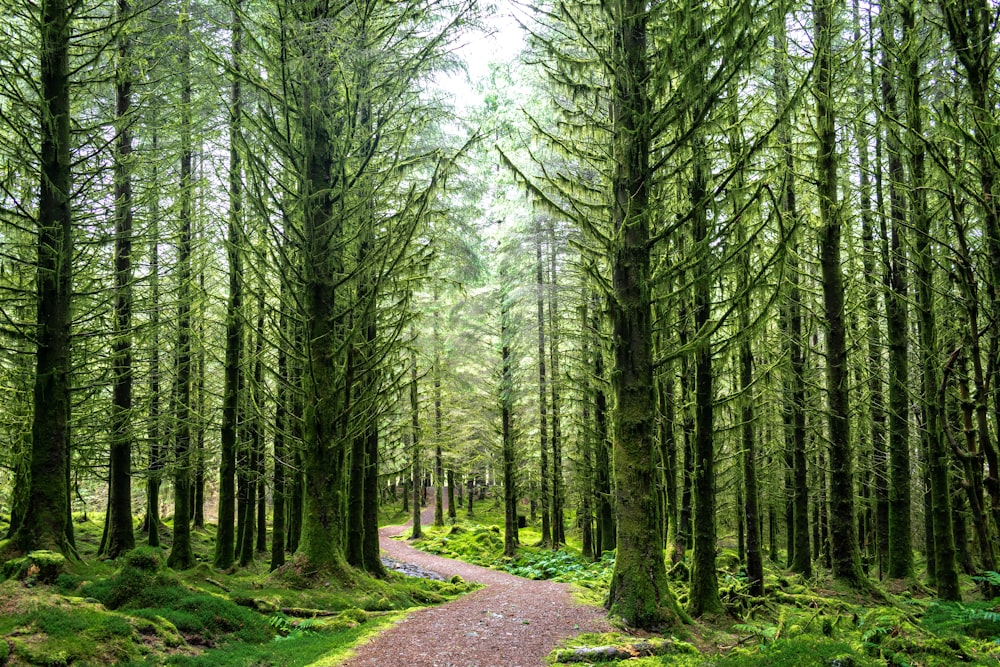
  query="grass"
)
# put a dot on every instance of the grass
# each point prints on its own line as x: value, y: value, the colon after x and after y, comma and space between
x: 135, y: 611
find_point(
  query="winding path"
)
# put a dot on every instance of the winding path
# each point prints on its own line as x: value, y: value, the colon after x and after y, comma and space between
x: 511, y: 622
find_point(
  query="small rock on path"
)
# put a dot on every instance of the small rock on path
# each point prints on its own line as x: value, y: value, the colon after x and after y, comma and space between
x: 511, y: 622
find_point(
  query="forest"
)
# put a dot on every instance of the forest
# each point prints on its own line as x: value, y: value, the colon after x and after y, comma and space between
x: 703, y: 297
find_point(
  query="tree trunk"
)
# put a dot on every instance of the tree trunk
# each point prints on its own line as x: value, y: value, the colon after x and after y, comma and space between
x: 224, y: 542
x: 704, y: 596
x: 120, y: 535
x: 324, y: 456
x: 181, y: 555
x: 971, y: 28
x: 844, y: 546
x: 543, y: 438
x: 873, y: 284
x: 510, y: 539
x: 280, y: 448
x: 606, y: 531
x: 417, y: 478
x: 558, y: 523
x: 900, y: 554
x: 638, y: 590
x: 153, y: 474
x: 45, y: 524
x: 438, y: 426
x: 944, y: 540
x: 793, y: 413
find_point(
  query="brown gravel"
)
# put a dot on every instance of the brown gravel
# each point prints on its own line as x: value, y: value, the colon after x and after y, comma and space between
x: 512, y: 622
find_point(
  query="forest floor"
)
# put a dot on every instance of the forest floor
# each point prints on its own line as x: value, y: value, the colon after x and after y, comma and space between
x: 467, y: 606
x: 510, y: 622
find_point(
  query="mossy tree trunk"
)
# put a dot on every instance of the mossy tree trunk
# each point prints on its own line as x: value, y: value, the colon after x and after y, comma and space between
x: 900, y: 554
x: 666, y: 433
x: 638, y: 592
x: 44, y: 524
x: 845, y: 558
x: 416, y: 473
x: 154, y: 429
x: 509, y: 459
x: 558, y: 501
x: 225, y: 551
x: 438, y: 418
x: 260, y: 458
x: 324, y: 455
x: 585, y: 516
x: 278, y: 522
x: 121, y: 537
x: 794, y: 408
x: 543, y: 435
x: 181, y: 555
x: 603, y: 490
x: 944, y: 539
x: 704, y: 596
x: 972, y: 30
x: 873, y: 287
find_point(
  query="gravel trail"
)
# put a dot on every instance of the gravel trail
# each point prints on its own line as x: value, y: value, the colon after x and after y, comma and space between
x: 511, y: 622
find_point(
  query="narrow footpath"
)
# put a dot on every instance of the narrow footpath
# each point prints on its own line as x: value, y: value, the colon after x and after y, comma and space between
x: 511, y: 622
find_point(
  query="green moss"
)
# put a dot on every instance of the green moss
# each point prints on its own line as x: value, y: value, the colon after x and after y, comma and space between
x: 805, y: 651
x: 326, y: 646
x: 145, y: 558
x: 38, y: 566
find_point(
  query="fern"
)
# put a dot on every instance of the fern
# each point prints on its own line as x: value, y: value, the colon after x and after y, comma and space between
x: 990, y: 577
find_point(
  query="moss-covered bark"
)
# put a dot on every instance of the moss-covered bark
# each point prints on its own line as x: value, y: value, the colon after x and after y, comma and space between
x: 704, y: 595
x: 794, y: 409
x: 543, y: 437
x: 845, y: 557
x: 44, y: 524
x: 154, y: 471
x: 225, y: 535
x: 900, y: 554
x: 603, y: 495
x: 509, y: 460
x: 639, y: 593
x: 121, y: 537
x: 939, y: 460
x: 181, y: 554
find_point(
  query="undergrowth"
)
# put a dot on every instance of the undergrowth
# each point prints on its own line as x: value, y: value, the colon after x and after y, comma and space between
x: 136, y: 611
x: 797, y: 622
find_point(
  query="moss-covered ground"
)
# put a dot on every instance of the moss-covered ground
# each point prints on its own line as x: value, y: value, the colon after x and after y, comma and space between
x: 136, y: 611
x: 798, y: 622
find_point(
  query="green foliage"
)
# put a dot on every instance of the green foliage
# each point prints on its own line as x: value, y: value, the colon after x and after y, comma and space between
x: 980, y: 620
x: 477, y: 544
x: 892, y: 635
x: 804, y: 651
x: 990, y: 577
x: 483, y: 545
x: 564, y: 566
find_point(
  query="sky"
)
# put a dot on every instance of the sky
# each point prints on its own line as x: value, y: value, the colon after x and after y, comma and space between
x: 500, y: 42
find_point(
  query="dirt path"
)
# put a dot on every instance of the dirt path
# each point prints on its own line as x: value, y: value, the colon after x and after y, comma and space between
x: 512, y: 622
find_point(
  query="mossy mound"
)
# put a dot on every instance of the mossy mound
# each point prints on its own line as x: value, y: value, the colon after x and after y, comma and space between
x: 40, y: 627
x: 36, y: 567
